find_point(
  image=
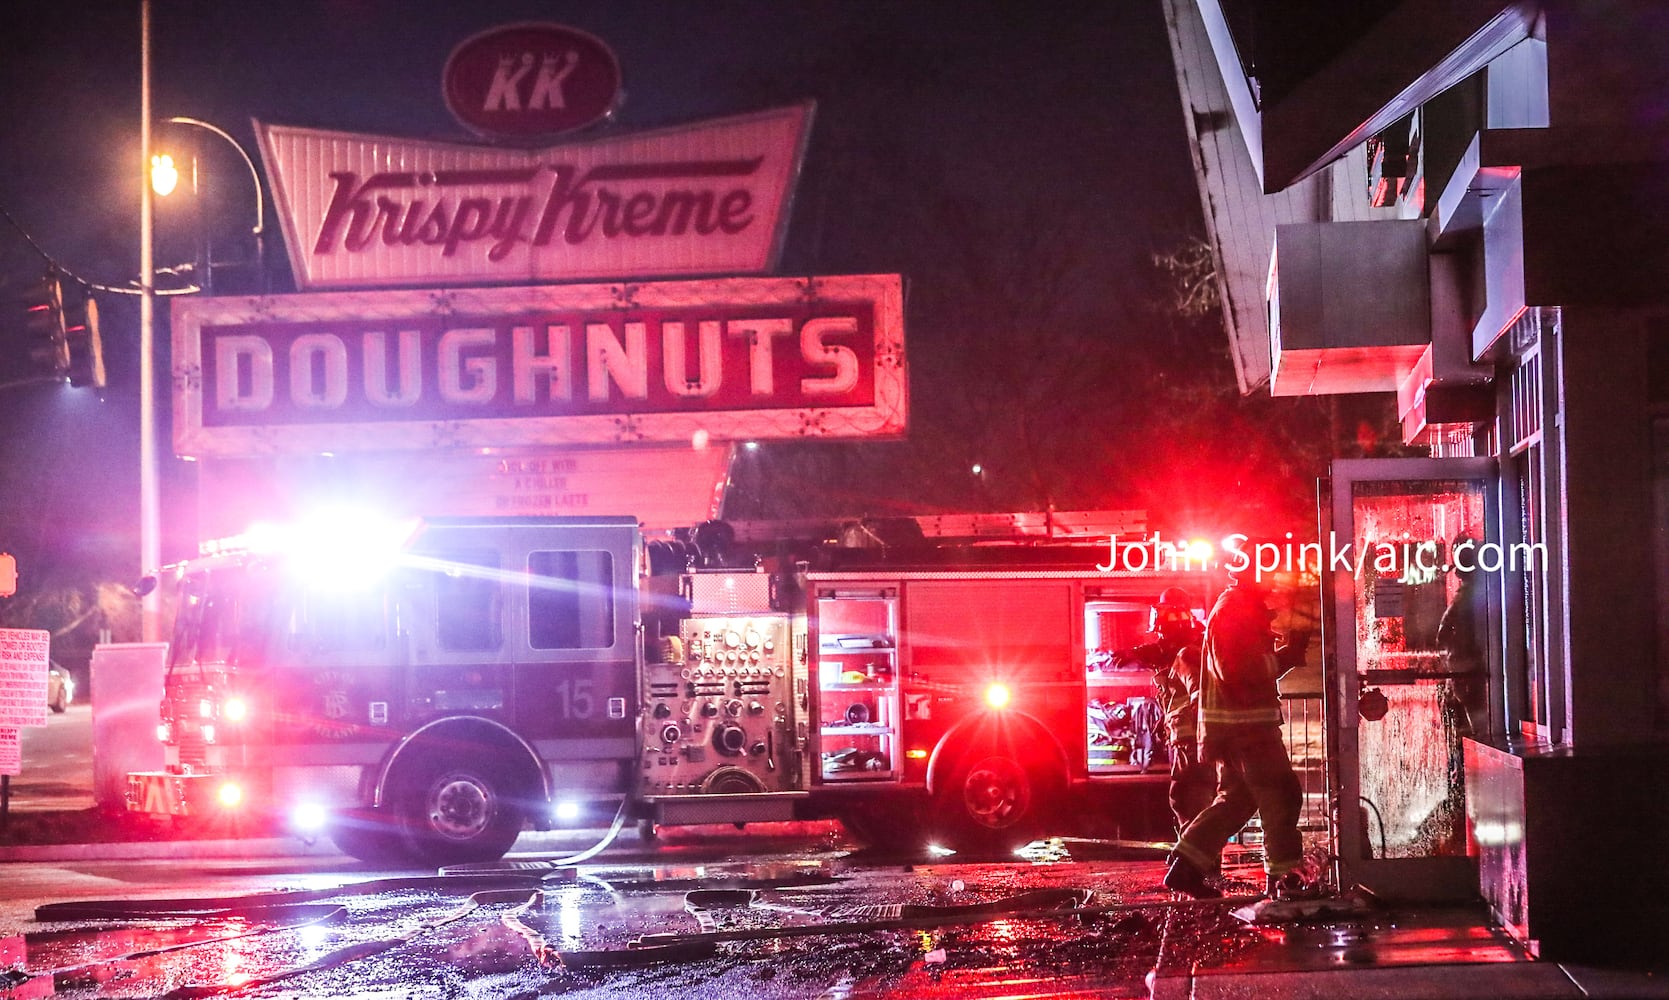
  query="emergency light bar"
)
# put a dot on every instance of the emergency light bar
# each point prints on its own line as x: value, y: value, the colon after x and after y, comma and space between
x: 340, y: 546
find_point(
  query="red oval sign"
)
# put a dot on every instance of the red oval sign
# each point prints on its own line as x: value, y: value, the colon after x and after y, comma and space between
x: 527, y: 80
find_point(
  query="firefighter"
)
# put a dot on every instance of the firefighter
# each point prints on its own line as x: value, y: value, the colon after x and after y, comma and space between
x: 1460, y: 635
x: 1240, y: 735
x: 1462, y: 695
x: 1174, y: 658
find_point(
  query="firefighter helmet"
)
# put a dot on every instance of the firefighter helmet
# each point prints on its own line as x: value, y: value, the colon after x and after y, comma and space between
x: 1172, y: 611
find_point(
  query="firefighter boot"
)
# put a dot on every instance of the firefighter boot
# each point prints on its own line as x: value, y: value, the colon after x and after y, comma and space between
x: 1183, y: 877
x: 1291, y: 886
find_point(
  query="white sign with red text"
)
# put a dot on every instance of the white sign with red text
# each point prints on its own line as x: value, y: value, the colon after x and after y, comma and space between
x: 692, y: 362
x: 703, y: 199
x: 24, y: 656
x: 662, y: 486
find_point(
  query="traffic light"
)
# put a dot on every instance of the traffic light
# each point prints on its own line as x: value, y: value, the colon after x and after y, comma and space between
x: 59, y: 334
x: 86, y: 350
x: 44, y: 351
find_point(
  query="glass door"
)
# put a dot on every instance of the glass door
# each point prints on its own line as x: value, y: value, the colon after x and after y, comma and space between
x: 1415, y: 561
x: 857, y: 685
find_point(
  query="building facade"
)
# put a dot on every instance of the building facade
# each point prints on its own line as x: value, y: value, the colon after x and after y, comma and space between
x: 1462, y: 206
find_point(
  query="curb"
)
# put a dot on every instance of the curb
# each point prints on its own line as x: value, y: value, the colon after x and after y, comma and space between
x: 1515, y: 980
x: 530, y: 842
x: 263, y: 847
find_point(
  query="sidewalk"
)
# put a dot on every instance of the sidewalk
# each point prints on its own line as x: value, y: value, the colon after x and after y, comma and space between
x: 1495, y: 981
x: 1405, y: 953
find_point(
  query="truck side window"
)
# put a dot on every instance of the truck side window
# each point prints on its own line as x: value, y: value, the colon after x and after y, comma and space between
x: 328, y: 621
x: 570, y: 600
x: 470, y: 602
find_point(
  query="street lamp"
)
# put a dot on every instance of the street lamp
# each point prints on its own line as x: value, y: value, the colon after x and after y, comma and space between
x: 150, y: 505
x: 165, y: 176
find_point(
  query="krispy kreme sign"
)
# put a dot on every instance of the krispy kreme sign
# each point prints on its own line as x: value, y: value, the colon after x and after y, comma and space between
x: 686, y: 361
x: 703, y: 199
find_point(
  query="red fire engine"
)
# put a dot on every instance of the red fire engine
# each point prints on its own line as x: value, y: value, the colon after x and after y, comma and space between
x: 482, y: 674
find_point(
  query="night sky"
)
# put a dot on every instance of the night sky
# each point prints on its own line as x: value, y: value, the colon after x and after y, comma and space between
x: 1018, y: 163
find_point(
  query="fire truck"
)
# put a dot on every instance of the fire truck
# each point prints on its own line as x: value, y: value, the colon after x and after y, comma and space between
x: 426, y: 692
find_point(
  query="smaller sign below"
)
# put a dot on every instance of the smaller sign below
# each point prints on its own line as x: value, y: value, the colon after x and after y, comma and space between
x: 24, y: 656
x: 11, y: 751
x: 662, y: 487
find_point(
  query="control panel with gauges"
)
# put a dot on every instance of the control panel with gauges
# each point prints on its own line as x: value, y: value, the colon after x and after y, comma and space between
x: 718, y: 712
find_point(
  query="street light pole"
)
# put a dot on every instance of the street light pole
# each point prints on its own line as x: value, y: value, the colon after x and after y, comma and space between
x: 260, y: 195
x: 150, y: 505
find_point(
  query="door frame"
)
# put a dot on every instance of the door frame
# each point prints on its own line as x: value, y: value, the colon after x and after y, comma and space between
x: 1426, y: 878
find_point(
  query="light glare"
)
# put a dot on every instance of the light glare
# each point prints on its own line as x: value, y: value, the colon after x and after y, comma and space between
x: 230, y: 795
x: 997, y: 696
x: 165, y: 177
x: 308, y: 817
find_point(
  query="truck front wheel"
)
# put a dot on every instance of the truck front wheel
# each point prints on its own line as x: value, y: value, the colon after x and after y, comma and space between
x: 457, y: 812
x: 369, y: 836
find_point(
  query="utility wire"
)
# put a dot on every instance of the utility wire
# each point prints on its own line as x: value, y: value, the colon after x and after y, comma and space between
x: 59, y: 267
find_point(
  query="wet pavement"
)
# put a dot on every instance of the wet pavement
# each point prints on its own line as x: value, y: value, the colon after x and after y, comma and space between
x: 816, y: 920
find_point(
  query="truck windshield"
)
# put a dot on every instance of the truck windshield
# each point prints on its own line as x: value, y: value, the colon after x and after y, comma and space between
x: 220, y: 615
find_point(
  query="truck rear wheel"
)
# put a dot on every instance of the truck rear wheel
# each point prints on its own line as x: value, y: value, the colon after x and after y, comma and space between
x: 992, y: 802
x: 457, y: 812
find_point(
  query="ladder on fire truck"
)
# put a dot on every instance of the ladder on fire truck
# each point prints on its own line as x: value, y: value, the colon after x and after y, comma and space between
x: 1024, y: 527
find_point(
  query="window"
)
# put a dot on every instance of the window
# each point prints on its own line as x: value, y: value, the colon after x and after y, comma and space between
x: 223, y: 615
x: 1660, y: 545
x: 570, y: 600
x: 336, y: 621
x: 1537, y: 698
x: 469, y: 598
x: 188, y: 618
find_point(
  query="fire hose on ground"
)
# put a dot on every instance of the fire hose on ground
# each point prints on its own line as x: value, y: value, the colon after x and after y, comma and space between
x: 501, y: 887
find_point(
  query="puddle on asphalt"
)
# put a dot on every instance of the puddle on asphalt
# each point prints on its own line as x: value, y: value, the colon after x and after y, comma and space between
x: 519, y: 940
x: 157, y: 956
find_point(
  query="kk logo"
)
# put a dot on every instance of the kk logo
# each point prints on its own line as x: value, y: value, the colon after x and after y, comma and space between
x: 525, y: 81
x: 505, y: 92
